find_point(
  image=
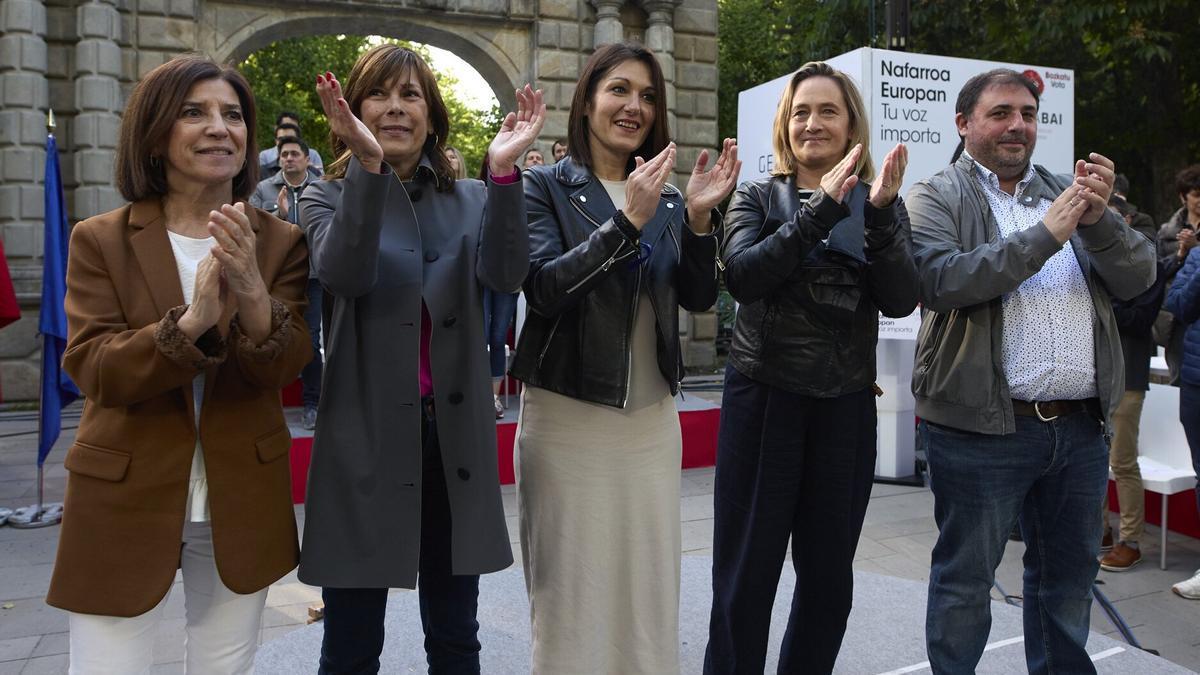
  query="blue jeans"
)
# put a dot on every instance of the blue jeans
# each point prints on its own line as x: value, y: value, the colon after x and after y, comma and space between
x: 1189, y: 416
x: 498, y: 312
x: 310, y: 376
x: 1052, y: 475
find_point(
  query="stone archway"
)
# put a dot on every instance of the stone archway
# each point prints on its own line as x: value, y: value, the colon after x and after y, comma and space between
x: 82, y: 57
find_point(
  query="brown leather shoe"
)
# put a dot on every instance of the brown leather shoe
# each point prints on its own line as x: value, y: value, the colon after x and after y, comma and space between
x: 1106, y: 543
x: 1121, y: 558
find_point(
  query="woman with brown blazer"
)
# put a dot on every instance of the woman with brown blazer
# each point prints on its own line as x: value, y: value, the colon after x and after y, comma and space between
x: 185, y: 313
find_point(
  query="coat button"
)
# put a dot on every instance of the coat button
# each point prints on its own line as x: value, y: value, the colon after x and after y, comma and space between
x: 415, y: 195
x: 455, y: 398
x: 464, y: 474
x: 449, y: 321
x: 431, y: 255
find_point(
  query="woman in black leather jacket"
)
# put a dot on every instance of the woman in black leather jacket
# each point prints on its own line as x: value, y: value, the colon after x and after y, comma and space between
x: 812, y: 254
x: 598, y: 444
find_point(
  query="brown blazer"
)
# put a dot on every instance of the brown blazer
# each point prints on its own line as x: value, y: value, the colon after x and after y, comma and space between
x: 129, y: 467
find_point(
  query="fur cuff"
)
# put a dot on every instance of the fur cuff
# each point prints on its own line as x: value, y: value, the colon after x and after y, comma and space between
x: 208, y: 350
x: 276, y: 342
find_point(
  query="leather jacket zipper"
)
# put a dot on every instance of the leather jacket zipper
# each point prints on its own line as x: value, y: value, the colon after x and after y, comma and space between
x: 604, y: 266
x: 549, y: 339
x: 637, y: 292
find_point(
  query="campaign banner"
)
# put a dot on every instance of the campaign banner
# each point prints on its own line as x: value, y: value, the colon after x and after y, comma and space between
x: 911, y: 100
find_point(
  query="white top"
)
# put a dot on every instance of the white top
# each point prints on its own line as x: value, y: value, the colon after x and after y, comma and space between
x: 1049, y: 348
x: 647, y: 385
x: 188, y: 254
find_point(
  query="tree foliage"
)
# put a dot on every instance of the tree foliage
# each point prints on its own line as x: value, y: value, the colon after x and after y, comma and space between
x: 283, y: 76
x: 1137, y: 91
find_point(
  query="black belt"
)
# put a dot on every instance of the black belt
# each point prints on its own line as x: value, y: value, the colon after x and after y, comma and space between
x: 1048, y: 410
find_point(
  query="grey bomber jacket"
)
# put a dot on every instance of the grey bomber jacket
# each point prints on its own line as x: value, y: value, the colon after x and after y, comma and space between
x: 964, y: 269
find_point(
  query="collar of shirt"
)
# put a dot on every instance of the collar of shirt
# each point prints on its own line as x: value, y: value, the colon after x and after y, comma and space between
x: 988, y: 178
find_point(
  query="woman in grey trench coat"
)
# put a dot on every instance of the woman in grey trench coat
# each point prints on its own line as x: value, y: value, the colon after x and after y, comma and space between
x: 403, y: 488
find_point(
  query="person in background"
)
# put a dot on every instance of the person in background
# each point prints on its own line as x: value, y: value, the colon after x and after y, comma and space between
x: 458, y: 166
x: 280, y: 194
x: 1013, y: 406
x: 499, y: 310
x: 615, y: 251
x: 533, y: 157
x: 816, y: 252
x: 1183, y: 300
x: 184, y: 322
x: 559, y: 149
x: 1176, y: 238
x: 268, y: 159
x: 1135, y: 318
x: 404, y: 487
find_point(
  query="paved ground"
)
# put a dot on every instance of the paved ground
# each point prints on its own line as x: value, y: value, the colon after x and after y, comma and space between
x: 897, y: 538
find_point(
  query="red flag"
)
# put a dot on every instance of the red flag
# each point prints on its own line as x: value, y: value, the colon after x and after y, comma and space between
x: 9, y: 311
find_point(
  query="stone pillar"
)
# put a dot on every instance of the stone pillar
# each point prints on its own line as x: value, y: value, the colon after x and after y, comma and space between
x: 608, y: 22
x: 98, y: 100
x: 24, y: 95
x: 660, y: 38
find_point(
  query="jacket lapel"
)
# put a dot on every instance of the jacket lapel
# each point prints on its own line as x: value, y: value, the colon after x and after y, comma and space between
x: 154, y: 255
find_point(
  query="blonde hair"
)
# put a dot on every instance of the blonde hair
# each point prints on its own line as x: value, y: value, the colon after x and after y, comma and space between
x: 462, y: 163
x: 860, y: 130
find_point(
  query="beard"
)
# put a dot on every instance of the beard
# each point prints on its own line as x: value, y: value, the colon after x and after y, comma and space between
x: 1002, y: 162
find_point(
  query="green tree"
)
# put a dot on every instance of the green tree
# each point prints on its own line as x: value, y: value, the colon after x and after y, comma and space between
x: 283, y: 76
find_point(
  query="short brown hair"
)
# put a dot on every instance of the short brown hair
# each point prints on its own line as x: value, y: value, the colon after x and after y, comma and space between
x: 378, y: 68
x: 151, y: 113
x: 1187, y: 180
x: 860, y: 127
x: 603, y: 60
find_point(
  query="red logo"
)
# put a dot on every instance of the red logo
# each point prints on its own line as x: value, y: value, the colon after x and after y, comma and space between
x: 1033, y: 77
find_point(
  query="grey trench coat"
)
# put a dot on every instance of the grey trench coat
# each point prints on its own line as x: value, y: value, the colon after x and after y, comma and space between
x: 380, y: 247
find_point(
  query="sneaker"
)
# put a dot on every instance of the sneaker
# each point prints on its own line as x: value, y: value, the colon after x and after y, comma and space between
x: 309, y: 421
x: 1120, y: 558
x: 1106, y: 544
x: 499, y: 407
x: 1189, y: 588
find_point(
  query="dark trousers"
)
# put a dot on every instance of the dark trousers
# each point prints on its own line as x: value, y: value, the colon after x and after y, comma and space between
x: 788, y: 466
x: 310, y: 377
x: 353, y: 622
x: 1189, y: 416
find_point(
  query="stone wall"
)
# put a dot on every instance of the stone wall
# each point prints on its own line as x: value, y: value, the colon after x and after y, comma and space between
x: 81, y: 58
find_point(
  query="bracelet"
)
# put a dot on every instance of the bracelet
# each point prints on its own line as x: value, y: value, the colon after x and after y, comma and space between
x: 626, y: 227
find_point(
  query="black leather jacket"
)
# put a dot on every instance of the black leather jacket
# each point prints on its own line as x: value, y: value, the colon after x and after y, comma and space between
x: 812, y: 278
x: 584, y: 282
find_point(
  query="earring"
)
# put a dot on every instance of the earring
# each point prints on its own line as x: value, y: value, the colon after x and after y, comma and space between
x: 154, y: 161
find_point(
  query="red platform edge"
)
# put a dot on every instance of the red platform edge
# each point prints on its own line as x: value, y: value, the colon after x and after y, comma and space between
x: 699, y: 430
x: 1182, y: 516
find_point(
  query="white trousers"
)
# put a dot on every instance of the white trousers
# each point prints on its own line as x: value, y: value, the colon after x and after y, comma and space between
x: 221, y: 630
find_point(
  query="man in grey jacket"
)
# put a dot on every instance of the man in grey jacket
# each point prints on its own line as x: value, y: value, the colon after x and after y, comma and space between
x: 1018, y: 367
x: 280, y: 194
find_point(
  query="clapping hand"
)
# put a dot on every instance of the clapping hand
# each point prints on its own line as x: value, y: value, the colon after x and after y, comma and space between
x: 841, y: 179
x: 518, y: 131
x: 706, y: 189
x: 643, y: 187
x: 346, y: 126
x: 891, y: 175
x: 1096, y: 178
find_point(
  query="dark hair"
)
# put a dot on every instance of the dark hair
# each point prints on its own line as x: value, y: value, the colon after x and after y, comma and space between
x: 560, y: 142
x: 603, y: 60
x: 288, y: 114
x: 292, y: 140
x: 151, y: 113
x: 968, y: 96
x: 290, y: 127
x: 379, y: 68
x: 1121, y: 184
x: 1188, y: 180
